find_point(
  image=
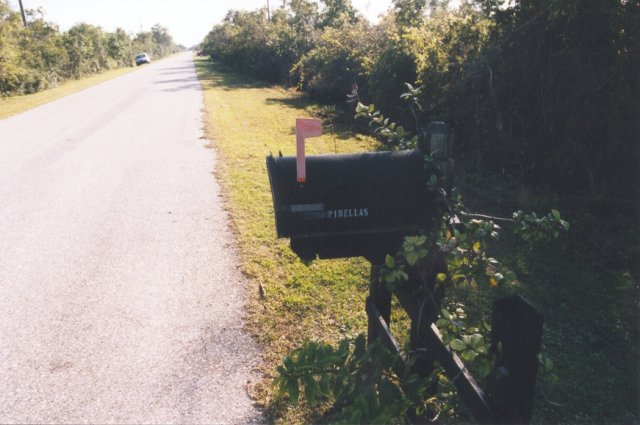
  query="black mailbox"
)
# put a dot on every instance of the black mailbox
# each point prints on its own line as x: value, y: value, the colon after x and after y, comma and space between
x: 351, y: 205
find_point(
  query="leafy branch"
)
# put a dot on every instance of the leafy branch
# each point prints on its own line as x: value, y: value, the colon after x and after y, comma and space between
x: 367, y: 384
x: 392, y: 135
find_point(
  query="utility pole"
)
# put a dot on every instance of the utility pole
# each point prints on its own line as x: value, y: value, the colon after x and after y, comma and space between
x: 268, y: 11
x: 24, y: 17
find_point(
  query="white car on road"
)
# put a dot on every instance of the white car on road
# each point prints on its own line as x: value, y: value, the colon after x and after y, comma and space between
x: 142, y: 58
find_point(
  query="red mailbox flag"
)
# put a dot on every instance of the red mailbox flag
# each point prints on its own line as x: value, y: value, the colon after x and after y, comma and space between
x: 305, y: 127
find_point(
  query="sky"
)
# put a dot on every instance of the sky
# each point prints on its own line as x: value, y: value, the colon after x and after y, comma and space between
x: 188, y: 21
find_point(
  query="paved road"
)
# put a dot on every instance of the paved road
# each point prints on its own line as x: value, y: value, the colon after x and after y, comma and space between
x: 120, y: 299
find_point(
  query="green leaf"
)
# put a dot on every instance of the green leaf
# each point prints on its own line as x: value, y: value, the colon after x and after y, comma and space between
x: 390, y: 262
x: 343, y: 348
x: 548, y: 365
x: 323, y: 385
x: 484, y: 366
x: 288, y: 363
x: 459, y: 278
x: 441, y: 277
x: 556, y: 214
x: 361, y: 108
x: 311, y: 349
x: 476, y: 340
x: 389, y: 392
x: 468, y: 355
x: 445, y: 313
x: 294, y: 390
x: 362, y: 405
x: 480, y: 233
x: 390, y: 278
x: 310, y: 389
x: 412, y: 258
x: 457, y: 345
x: 360, y: 346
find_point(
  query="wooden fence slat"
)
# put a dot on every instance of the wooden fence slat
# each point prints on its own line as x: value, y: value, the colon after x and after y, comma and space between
x: 516, y: 326
x: 380, y: 297
x: 383, y: 331
x: 467, y: 387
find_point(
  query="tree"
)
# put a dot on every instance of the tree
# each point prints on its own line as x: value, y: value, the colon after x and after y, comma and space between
x: 87, y: 50
x: 340, y: 59
x: 337, y: 13
x: 120, y: 47
x: 304, y: 14
x: 162, y: 41
x: 409, y: 12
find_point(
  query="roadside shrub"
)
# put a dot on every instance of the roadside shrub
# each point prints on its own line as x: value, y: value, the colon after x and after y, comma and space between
x: 342, y: 57
x: 250, y: 43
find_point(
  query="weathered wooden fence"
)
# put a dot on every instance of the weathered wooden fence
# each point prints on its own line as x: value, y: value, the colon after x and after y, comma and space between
x: 516, y: 328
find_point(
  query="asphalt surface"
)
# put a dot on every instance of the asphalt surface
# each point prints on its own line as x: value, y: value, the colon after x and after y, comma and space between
x: 120, y: 296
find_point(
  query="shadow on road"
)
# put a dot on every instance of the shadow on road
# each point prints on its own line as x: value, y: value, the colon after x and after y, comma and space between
x: 179, y: 84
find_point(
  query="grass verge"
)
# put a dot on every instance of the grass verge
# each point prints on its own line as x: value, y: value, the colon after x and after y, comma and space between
x: 591, y: 312
x: 247, y: 121
x: 16, y: 104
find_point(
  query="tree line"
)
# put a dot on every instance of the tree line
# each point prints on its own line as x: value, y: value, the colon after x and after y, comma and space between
x: 40, y: 56
x: 542, y: 92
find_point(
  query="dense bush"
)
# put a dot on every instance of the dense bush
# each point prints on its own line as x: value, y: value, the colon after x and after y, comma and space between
x: 251, y: 43
x: 340, y: 59
x: 543, y: 92
x: 565, y: 76
x: 39, y: 56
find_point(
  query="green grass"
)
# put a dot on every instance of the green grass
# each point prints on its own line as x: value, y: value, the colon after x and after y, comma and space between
x: 247, y: 121
x: 590, y: 334
x: 16, y: 104
x: 591, y: 312
x: 591, y: 307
